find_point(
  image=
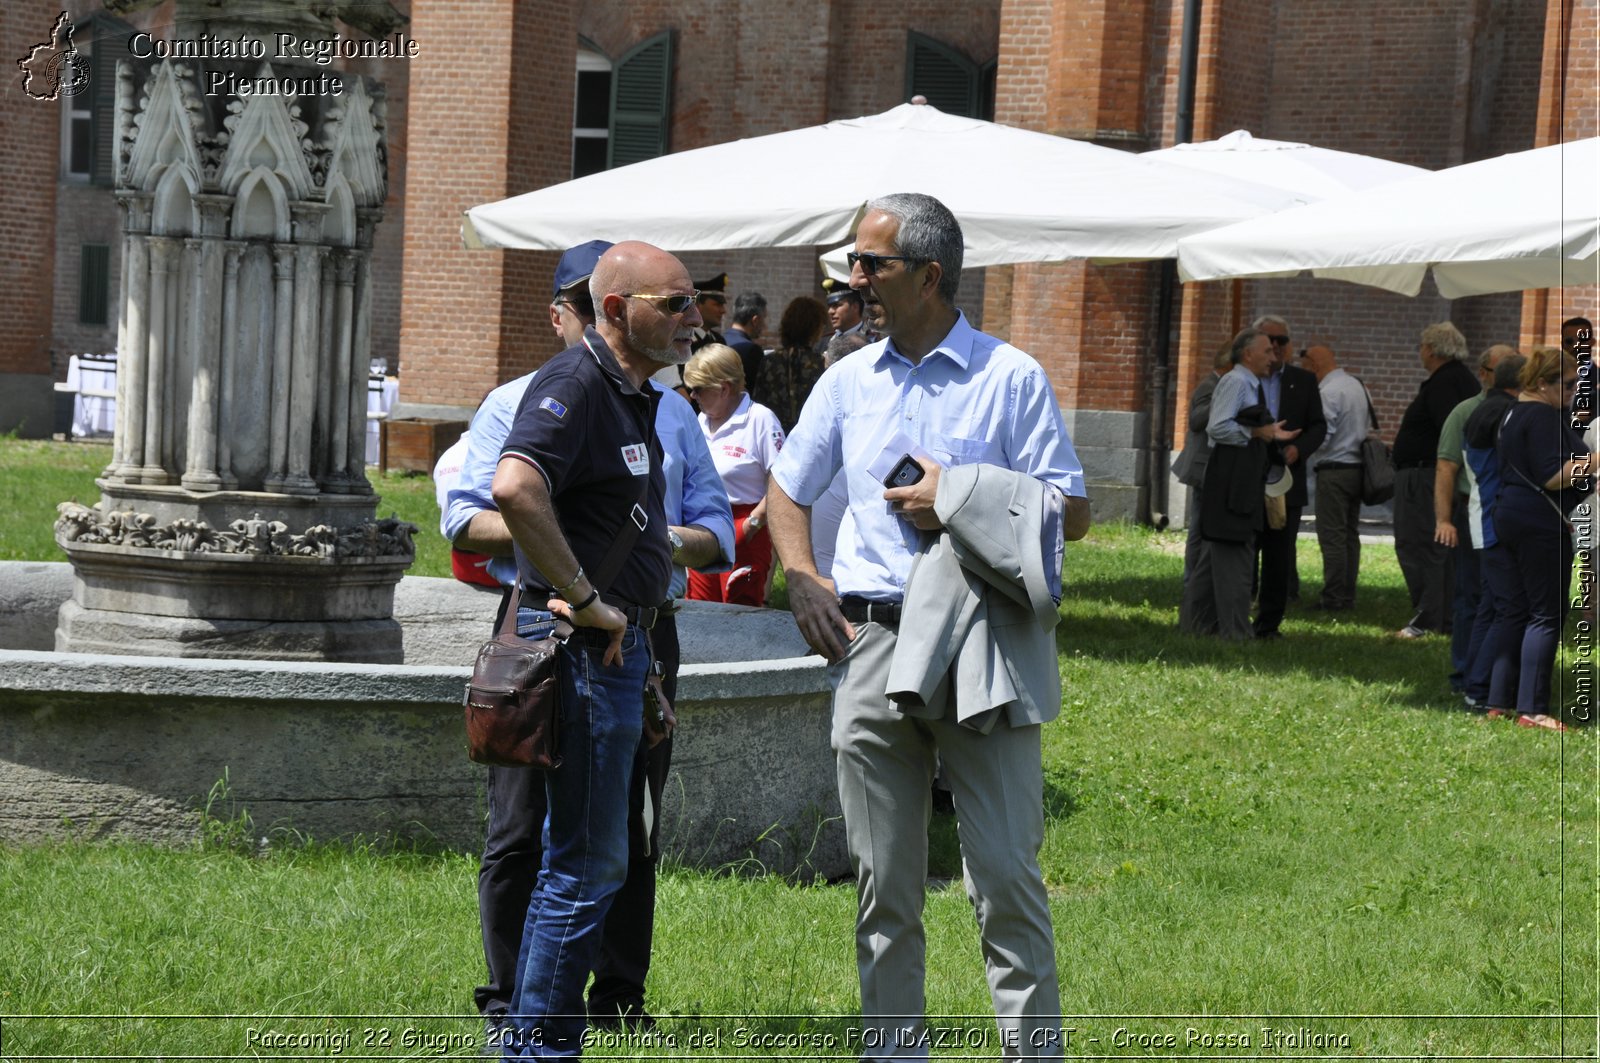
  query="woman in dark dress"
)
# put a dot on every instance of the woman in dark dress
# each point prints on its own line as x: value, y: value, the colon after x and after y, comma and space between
x: 789, y: 372
x: 1544, y: 467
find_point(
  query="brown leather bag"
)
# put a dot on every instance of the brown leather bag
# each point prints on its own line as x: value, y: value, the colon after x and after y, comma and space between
x: 513, y: 703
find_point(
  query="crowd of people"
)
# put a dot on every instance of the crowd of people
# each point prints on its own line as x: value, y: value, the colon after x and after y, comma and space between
x: 873, y: 459
x: 1491, y: 473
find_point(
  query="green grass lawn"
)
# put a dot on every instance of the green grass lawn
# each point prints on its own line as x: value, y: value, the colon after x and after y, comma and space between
x: 36, y: 475
x: 1299, y: 835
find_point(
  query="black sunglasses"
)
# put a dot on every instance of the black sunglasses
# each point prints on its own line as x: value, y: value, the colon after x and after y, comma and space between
x: 871, y: 263
x: 1279, y: 341
x: 581, y: 305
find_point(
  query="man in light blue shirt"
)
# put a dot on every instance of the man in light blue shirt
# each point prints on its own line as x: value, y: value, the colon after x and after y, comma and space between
x: 946, y: 395
x: 701, y: 533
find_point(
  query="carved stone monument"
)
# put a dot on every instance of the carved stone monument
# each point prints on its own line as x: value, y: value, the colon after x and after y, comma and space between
x: 235, y: 518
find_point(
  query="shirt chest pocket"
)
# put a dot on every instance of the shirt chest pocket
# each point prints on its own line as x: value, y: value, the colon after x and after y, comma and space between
x: 959, y: 450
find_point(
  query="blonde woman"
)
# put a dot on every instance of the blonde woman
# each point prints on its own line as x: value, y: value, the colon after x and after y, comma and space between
x: 744, y: 438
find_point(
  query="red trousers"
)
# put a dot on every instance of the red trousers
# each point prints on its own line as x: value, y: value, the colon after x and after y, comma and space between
x: 752, y: 561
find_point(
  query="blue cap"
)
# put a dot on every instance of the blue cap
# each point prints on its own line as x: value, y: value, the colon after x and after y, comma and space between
x: 577, y: 263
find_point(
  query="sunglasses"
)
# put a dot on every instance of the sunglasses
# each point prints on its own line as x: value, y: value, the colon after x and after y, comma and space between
x: 1279, y: 341
x: 582, y: 307
x: 870, y: 263
x: 673, y: 304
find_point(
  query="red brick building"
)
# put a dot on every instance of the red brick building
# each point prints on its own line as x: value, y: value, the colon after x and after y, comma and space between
x: 502, y: 98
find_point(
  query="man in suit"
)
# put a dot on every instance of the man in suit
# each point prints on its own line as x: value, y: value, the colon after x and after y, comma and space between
x: 979, y: 401
x: 1292, y: 398
x: 1190, y: 468
x: 1216, y: 601
x: 749, y: 320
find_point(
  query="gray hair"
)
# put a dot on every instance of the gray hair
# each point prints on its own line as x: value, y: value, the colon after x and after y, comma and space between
x: 1241, y: 343
x: 1445, y: 341
x: 1487, y: 355
x: 1271, y: 319
x: 841, y: 346
x: 928, y: 233
x: 1508, y: 374
x: 748, y: 306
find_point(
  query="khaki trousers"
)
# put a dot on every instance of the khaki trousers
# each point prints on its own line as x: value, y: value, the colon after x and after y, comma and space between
x: 885, y: 762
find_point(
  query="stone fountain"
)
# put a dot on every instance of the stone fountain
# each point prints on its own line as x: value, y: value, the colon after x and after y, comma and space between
x: 235, y: 518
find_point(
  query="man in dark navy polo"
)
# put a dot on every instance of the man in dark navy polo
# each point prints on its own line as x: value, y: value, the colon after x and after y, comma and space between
x: 568, y: 485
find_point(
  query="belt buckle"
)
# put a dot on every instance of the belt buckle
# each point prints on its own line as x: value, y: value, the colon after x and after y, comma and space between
x: 639, y: 517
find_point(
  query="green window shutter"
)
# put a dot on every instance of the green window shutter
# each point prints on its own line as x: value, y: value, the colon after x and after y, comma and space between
x: 641, y: 102
x: 94, y: 284
x: 110, y: 43
x: 949, y: 80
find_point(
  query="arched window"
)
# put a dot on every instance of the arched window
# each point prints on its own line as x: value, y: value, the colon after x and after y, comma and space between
x: 950, y: 81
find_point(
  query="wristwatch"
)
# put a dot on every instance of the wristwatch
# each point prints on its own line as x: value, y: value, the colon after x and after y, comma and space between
x: 675, y: 539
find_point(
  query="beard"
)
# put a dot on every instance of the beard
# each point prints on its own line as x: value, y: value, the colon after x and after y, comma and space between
x: 668, y: 355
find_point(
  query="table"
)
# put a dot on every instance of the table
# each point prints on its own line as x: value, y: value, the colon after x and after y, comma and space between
x: 92, y: 378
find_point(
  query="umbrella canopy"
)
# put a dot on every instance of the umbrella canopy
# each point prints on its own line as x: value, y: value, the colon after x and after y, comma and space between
x: 1530, y: 219
x: 1020, y: 196
x: 1310, y: 172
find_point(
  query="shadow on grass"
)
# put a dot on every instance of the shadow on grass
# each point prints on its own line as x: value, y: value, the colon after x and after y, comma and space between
x: 1351, y: 645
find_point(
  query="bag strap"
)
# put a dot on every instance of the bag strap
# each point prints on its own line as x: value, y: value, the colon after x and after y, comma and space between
x: 1372, y: 415
x: 621, y: 546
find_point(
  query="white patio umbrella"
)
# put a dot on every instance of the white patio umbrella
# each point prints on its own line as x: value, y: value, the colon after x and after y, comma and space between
x: 1021, y: 196
x: 1310, y: 172
x: 1530, y: 219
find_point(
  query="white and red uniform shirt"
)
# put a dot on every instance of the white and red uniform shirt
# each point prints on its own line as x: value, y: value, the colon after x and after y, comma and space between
x: 744, y: 448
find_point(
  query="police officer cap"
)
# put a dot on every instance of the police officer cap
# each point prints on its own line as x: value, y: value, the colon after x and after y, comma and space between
x: 577, y: 263
x: 838, y: 290
x: 717, y: 286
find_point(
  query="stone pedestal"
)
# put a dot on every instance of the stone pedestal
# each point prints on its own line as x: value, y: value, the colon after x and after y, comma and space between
x: 236, y: 519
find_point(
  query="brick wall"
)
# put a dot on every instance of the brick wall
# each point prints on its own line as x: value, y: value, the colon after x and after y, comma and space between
x: 28, y: 169
x: 480, y: 128
x: 1569, y: 109
x: 85, y: 214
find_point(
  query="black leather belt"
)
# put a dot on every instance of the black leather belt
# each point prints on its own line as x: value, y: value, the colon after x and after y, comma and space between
x: 643, y: 616
x: 862, y: 611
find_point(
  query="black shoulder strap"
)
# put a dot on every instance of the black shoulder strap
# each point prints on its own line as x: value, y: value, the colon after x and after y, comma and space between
x: 627, y: 535
x: 1372, y: 414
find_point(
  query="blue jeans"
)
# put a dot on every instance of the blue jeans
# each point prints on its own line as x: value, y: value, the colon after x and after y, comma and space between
x: 585, y: 846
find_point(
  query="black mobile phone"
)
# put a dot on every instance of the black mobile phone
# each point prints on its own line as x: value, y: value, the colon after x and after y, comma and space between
x: 906, y: 472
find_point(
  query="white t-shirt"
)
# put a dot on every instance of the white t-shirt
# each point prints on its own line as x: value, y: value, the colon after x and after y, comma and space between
x: 743, y: 449
x: 447, y: 473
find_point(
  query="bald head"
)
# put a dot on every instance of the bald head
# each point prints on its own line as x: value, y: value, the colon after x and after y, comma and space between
x: 632, y: 287
x: 635, y: 266
x: 1319, y: 358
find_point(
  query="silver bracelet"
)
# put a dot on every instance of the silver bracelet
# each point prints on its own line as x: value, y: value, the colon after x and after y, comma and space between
x: 567, y: 587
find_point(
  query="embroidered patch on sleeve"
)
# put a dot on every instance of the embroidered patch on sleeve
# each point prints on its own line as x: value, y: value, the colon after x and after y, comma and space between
x: 555, y: 407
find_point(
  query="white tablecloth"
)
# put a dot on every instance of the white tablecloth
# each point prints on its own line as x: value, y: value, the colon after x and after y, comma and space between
x: 94, y: 409
x: 381, y: 395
